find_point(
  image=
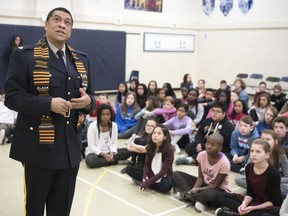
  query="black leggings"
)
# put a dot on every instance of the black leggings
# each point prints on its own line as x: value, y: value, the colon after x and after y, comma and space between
x: 190, y: 149
x: 136, y: 172
x: 233, y: 201
x: 184, y: 182
x: 95, y: 161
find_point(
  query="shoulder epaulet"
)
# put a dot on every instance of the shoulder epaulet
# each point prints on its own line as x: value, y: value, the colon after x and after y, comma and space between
x: 80, y: 53
x: 27, y: 47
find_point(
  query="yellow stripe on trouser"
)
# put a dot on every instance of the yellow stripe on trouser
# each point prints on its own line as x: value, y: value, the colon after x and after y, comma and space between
x: 24, y: 191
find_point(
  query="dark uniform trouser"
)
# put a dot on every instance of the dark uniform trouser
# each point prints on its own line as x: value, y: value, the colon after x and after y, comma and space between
x: 51, y: 187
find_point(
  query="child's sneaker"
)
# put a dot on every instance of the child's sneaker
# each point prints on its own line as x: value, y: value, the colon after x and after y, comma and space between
x: 137, y: 182
x: 124, y: 170
x: 2, y: 136
x: 177, y: 149
x: 225, y: 212
x: 182, y: 160
x: 199, y: 207
x: 180, y: 195
x: 131, y: 139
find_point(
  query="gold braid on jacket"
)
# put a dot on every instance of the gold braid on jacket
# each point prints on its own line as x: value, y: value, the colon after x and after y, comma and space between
x: 41, y: 79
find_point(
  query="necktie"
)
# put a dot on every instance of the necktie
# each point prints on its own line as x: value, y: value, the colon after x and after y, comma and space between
x: 60, y: 57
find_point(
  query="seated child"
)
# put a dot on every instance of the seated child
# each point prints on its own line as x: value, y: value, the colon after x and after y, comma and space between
x: 103, y: 99
x: 138, y: 148
x: 223, y: 87
x: 280, y: 126
x: 213, y: 171
x: 239, y: 87
x: 179, y: 126
x: 121, y: 94
x: 141, y: 116
x: 141, y: 95
x: 218, y: 123
x: 206, y: 102
x: 234, y: 96
x: 262, y: 89
x: 125, y: 116
x: 152, y: 87
x: 201, y: 88
x: 84, y: 124
x: 184, y: 93
x: 160, y: 94
x: 168, y: 90
x: 284, y: 207
x: 278, y: 98
x: 263, y: 196
x: 158, y: 162
x: 278, y: 159
x: 167, y: 111
x: 259, y: 107
x: 195, y: 110
x: 239, y: 110
x: 133, y: 85
x: 102, y: 140
x: 266, y: 123
x: 224, y: 98
x: 240, y: 142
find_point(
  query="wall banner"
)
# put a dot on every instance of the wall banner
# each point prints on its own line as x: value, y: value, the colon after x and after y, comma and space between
x: 226, y: 6
x: 245, y: 5
x: 208, y: 6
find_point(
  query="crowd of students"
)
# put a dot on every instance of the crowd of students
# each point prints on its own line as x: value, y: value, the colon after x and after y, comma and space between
x: 218, y: 131
x: 8, y: 118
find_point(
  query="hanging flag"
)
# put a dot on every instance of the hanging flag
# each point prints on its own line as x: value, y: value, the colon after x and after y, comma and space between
x: 245, y: 5
x: 208, y: 6
x: 226, y: 6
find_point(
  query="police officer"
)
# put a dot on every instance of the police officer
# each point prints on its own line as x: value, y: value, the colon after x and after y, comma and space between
x: 47, y: 84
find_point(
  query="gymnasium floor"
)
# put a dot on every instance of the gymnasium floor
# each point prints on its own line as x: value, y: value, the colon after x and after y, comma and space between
x: 99, y: 192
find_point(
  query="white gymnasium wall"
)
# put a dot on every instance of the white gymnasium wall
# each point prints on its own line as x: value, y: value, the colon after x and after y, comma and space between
x: 251, y: 43
x: 225, y: 46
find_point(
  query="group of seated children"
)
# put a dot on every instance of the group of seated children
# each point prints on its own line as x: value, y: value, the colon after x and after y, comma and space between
x: 217, y: 132
x: 8, y: 119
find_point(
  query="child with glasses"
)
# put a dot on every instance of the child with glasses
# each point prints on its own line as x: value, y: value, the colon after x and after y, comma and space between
x: 137, y: 148
x: 179, y: 126
x: 218, y: 123
x: 151, y: 104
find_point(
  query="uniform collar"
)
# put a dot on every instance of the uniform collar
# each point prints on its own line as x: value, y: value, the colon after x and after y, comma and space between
x: 55, y: 49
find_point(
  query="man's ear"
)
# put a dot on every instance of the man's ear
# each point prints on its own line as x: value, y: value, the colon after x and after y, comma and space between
x: 46, y: 23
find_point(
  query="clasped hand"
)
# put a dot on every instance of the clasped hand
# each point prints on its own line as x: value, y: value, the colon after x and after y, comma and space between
x: 61, y: 106
x: 243, y: 209
x: 142, y: 188
x: 109, y: 157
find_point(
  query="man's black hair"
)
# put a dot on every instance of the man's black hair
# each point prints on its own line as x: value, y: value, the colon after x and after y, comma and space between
x: 59, y: 9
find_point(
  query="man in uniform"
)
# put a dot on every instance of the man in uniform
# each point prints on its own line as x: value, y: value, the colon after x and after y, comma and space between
x: 47, y: 84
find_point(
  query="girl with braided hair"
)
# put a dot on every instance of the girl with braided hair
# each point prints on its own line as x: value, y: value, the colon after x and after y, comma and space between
x: 102, y: 140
